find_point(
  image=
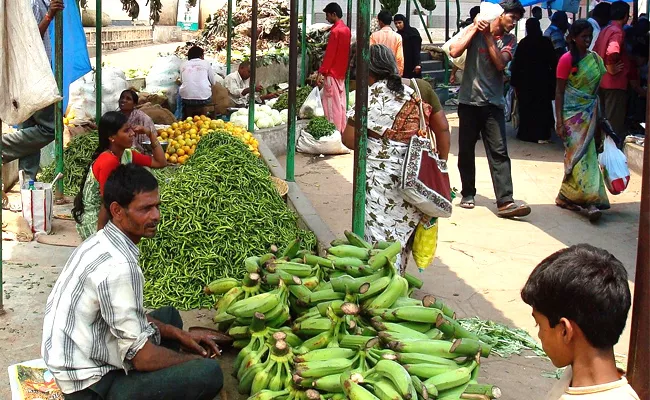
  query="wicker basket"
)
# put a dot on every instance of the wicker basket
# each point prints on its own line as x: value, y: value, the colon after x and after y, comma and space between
x: 281, y: 186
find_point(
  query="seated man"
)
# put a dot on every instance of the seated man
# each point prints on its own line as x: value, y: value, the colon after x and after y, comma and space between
x: 238, y: 85
x: 197, y: 80
x: 97, y: 340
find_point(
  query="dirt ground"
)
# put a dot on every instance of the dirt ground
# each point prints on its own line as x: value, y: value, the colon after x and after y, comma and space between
x: 481, y: 263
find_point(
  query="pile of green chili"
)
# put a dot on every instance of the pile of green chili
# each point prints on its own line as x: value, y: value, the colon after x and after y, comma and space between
x: 216, y: 210
x: 75, y: 162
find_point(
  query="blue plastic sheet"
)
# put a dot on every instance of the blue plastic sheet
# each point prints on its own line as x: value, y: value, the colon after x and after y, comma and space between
x: 76, y: 62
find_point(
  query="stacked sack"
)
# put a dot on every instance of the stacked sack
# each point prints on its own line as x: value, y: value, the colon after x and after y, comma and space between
x: 82, y: 93
x: 162, y: 78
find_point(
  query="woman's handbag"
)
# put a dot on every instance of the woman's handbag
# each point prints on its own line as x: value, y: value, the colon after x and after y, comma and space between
x: 425, y: 179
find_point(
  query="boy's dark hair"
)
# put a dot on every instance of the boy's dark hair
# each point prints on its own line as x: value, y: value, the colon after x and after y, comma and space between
x: 194, y: 52
x: 602, y: 11
x: 385, y: 17
x: 513, y: 6
x: 473, y: 12
x: 333, y: 8
x: 125, y: 183
x: 586, y: 285
x: 619, y: 10
x: 536, y: 9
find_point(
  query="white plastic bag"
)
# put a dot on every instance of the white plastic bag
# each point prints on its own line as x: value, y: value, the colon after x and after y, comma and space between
x: 313, y: 106
x: 459, y: 61
x: 26, y: 76
x: 162, y: 78
x: 331, y: 145
x: 37, y: 205
x: 614, y: 165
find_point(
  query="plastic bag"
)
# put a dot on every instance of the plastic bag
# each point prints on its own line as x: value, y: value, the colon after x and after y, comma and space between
x: 37, y: 205
x: 489, y: 11
x: 313, y: 106
x: 425, y: 243
x: 614, y: 165
x: 332, y: 144
x: 459, y: 61
x: 26, y: 77
x: 162, y: 78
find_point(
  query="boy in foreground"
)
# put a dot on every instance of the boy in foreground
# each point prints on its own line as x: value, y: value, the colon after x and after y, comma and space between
x: 580, y: 299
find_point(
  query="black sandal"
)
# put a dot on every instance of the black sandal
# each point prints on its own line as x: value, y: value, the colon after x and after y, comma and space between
x: 467, y: 202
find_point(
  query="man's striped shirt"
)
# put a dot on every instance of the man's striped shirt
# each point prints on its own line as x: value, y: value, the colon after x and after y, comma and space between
x: 95, y: 320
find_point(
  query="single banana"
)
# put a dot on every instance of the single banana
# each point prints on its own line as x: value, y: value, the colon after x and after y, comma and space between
x: 317, y: 369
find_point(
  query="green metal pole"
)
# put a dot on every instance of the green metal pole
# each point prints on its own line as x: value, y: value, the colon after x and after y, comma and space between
x: 347, y: 74
x: 293, y: 82
x: 251, y: 87
x: 417, y: 7
x: 313, y: 6
x: 2, y: 293
x: 229, y: 38
x: 361, y: 117
x: 303, y: 45
x: 446, y: 20
x: 458, y: 15
x: 98, y: 62
x: 58, y: 107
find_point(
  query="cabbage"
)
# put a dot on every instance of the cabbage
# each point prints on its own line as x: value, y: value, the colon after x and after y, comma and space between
x: 265, y: 109
x: 265, y: 122
x: 240, y: 120
x: 276, y: 117
x: 284, y: 114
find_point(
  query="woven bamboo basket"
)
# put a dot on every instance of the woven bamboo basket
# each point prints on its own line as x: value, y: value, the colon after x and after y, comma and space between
x: 281, y: 186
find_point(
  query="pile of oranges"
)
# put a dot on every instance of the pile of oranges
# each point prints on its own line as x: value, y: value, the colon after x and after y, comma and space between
x: 183, y: 136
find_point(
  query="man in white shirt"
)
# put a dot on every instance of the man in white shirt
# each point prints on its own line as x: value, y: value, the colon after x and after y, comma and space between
x: 599, y: 19
x: 98, y: 342
x: 197, y: 79
x: 238, y: 85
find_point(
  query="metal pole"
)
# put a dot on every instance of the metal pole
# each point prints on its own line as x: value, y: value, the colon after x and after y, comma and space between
x: 374, y: 8
x: 347, y: 75
x: 2, y: 293
x: 251, y: 87
x: 98, y: 62
x: 426, y: 28
x: 635, y: 11
x: 458, y: 15
x: 229, y: 38
x: 293, y: 82
x: 446, y: 20
x: 303, y: 45
x: 58, y: 107
x: 361, y: 117
x: 408, y: 11
x: 638, y: 358
x: 312, y: 11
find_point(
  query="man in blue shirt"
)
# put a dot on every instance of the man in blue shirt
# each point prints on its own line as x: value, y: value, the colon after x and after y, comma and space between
x: 557, y: 32
x: 38, y: 131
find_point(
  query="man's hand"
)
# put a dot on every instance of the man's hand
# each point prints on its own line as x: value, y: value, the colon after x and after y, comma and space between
x: 452, y: 79
x: 197, y: 341
x: 320, y: 79
x: 141, y: 130
x: 482, y: 26
x: 259, y: 88
x: 55, y: 7
x: 614, y: 69
x: 417, y: 69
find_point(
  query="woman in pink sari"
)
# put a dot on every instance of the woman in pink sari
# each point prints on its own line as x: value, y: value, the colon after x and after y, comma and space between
x: 128, y: 102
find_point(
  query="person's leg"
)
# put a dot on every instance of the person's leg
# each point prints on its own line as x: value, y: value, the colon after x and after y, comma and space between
x: 27, y: 142
x: 470, y: 121
x: 615, y: 104
x: 168, y: 315
x: 199, y: 379
x: 494, y: 139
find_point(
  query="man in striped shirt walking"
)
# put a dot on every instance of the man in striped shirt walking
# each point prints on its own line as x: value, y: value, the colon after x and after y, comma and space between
x: 98, y: 342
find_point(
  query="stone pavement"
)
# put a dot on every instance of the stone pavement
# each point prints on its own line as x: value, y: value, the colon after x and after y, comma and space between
x: 482, y: 261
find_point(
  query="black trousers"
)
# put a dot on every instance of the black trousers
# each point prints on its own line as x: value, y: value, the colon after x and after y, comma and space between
x: 194, y: 380
x: 489, y: 123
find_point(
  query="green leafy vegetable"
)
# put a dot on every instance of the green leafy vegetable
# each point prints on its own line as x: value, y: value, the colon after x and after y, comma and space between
x: 508, y: 340
x: 75, y: 162
x: 301, y: 95
x: 319, y: 127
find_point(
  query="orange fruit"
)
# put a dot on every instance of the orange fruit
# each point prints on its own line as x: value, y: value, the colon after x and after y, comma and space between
x: 173, y: 159
x: 180, y: 152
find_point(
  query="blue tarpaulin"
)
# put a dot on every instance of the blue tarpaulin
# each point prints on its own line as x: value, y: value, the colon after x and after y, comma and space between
x: 76, y: 62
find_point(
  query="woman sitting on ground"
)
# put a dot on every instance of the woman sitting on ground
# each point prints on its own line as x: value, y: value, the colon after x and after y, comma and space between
x: 115, y: 141
x: 128, y: 102
x: 393, y: 118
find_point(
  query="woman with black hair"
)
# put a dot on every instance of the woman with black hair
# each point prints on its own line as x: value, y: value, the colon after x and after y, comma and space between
x: 533, y: 77
x: 393, y: 118
x: 115, y: 141
x: 579, y: 73
x: 411, y: 46
x: 128, y: 102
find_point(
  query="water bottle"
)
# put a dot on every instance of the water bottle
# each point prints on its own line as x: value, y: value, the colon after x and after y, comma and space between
x: 31, y: 185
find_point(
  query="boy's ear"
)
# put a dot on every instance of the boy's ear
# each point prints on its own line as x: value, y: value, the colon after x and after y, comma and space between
x: 568, y: 330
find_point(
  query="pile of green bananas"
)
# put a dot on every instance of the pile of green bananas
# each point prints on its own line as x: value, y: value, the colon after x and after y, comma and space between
x: 345, y: 326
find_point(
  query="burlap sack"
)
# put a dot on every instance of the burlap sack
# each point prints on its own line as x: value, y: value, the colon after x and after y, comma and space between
x: 153, y: 98
x: 220, y: 98
x: 159, y: 115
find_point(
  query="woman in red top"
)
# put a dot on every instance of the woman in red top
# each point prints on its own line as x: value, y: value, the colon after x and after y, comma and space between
x: 115, y: 141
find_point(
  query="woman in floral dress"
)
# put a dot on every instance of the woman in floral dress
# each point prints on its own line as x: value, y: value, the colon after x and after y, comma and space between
x: 393, y: 118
